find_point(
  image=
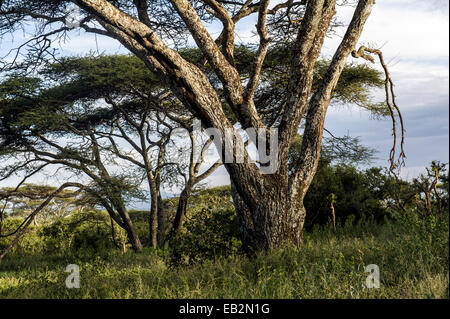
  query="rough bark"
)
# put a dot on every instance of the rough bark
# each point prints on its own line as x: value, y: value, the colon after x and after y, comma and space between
x: 153, y: 219
x: 278, y: 217
x: 181, y: 210
x: 277, y: 220
x: 161, y: 237
x: 129, y: 228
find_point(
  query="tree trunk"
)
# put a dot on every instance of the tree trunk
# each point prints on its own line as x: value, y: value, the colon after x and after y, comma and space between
x: 270, y: 209
x: 277, y: 220
x: 129, y: 228
x: 161, y: 222
x: 181, y: 210
x: 153, y: 221
x: 124, y: 221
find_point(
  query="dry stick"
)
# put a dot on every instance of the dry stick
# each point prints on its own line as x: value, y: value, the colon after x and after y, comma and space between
x: 436, y: 174
x: 434, y: 188
x: 391, y: 103
x: 333, y: 213
x: 29, y: 219
x: 2, y: 211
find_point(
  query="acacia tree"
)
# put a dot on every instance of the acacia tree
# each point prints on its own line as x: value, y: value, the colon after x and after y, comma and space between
x: 114, y: 104
x: 140, y: 114
x: 269, y: 207
x: 138, y: 111
x: 33, y: 121
x: 430, y: 190
x: 25, y: 199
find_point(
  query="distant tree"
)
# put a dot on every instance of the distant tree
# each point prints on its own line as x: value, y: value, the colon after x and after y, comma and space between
x: 138, y: 113
x: 122, y: 108
x: 431, y: 194
x: 33, y: 123
x: 22, y: 201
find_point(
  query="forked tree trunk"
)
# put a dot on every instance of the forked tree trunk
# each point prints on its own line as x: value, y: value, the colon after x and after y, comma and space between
x: 122, y: 218
x: 276, y: 221
x: 118, y: 212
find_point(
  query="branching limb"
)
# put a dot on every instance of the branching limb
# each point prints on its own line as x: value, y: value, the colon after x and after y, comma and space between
x: 309, y: 40
x: 264, y: 42
x: 318, y: 104
x: 228, y: 28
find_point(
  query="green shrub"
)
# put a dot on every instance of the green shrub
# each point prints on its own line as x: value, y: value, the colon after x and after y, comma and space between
x: 357, y: 193
x: 29, y: 243
x: 209, y: 234
x: 81, y: 231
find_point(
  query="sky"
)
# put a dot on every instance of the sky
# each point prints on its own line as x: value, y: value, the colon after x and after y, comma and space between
x: 414, y: 38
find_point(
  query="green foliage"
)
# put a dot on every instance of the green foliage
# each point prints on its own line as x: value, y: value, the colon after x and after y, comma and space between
x: 344, y: 150
x: 210, y: 234
x: 89, y: 231
x: 98, y: 76
x: 65, y: 92
x: 16, y: 86
x: 24, y: 200
x: 27, y: 245
x: 353, y: 193
x: 412, y: 254
x: 354, y: 86
x: 210, y: 230
x: 205, y: 260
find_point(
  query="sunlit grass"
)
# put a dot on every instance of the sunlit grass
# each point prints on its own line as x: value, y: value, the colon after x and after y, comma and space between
x: 412, y: 263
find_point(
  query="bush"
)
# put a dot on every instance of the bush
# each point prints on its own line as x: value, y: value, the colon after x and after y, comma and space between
x: 28, y: 244
x: 357, y: 193
x: 412, y: 255
x: 81, y: 231
x: 209, y: 234
x: 210, y: 229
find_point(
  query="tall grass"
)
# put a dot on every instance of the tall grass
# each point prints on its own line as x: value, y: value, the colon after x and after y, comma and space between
x: 412, y: 255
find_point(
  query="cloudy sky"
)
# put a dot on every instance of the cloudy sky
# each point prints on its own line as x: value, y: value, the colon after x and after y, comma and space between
x: 413, y: 36
x: 414, y: 40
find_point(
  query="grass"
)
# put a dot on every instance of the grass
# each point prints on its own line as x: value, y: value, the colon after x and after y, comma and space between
x: 412, y: 255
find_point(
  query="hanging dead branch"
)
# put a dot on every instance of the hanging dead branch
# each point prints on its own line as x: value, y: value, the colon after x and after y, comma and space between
x: 394, y: 110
